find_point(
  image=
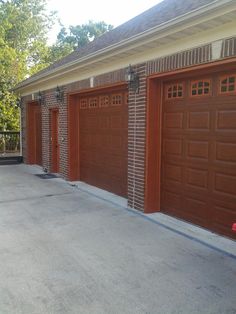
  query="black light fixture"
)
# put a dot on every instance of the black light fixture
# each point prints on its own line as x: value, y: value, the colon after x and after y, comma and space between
x: 132, y: 79
x: 40, y: 97
x: 59, y: 94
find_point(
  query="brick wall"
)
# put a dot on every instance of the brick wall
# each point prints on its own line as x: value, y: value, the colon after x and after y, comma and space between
x: 136, y: 141
x: 50, y: 102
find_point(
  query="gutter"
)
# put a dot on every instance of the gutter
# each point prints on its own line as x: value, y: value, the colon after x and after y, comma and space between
x: 202, y: 11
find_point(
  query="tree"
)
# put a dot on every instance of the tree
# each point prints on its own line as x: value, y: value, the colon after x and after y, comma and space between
x: 80, y: 35
x: 24, y: 50
x: 74, y: 38
x: 23, y: 43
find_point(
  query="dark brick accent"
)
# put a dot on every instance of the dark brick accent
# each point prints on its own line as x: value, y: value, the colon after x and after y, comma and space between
x: 180, y: 60
x: 77, y: 86
x: 229, y: 48
x: 109, y: 78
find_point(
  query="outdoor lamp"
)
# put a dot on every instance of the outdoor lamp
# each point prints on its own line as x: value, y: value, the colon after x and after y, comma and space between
x: 40, y: 97
x: 59, y: 94
x: 132, y: 78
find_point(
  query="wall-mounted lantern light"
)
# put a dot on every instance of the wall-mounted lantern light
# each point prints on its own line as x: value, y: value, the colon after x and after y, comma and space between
x: 59, y: 94
x: 40, y: 98
x: 132, y: 79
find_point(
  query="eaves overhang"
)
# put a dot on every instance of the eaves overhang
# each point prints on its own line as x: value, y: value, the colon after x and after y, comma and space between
x: 207, y: 16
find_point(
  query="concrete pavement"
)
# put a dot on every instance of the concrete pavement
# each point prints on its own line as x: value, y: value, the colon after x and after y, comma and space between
x: 64, y: 250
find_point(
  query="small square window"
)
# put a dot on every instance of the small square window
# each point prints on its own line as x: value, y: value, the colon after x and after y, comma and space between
x: 201, y: 88
x: 223, y: 89
x: 228, y: 84
x: 104, y: 101
x: 84, y: 103
x: 93, y: 102
x: 116, y: 99
x: 174, y: 91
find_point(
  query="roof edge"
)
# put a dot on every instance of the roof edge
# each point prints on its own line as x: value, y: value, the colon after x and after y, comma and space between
x: 201, y: 11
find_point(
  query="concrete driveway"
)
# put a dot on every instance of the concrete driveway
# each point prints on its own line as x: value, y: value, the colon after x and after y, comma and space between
x: 63, y: 250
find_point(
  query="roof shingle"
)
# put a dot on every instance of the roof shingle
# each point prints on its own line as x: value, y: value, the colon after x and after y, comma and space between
x: 163, y: 12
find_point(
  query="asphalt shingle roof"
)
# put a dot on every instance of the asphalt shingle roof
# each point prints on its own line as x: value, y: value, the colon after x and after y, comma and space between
x: 155, y: 16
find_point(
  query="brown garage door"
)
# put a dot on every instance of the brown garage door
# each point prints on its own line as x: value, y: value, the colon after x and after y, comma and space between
x: 34, y: 133
x: 103, y: 129
x: 198, y: 179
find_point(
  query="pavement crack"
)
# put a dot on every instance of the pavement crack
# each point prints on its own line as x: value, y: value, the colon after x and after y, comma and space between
x: 34, y: 197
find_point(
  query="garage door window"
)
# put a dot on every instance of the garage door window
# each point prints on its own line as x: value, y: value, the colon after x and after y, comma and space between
x: 83, y: 103
x: 93, y: 102
x: 104, y: 101
x: 228, y: 84
x: 200, y: 88
x: 174, y: 91
x: 116, y: 99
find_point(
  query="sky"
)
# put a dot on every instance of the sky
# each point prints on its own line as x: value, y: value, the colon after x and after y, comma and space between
x: 72, y: 12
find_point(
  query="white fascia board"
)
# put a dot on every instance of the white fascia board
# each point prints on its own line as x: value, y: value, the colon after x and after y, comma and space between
x: 195, y: 17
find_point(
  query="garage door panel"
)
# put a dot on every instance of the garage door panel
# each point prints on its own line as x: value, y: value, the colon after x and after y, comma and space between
x: 173, y: 173
x: 197, y: 149
x: 85, y: 140
x: 171, y: 201
x: 225, y: 184
x: 173, y: 147
x: 226, y: 152
x: 173, y: 120
x: 116, y: 142
x: 198, y: 178
x: 117, y: 122
x: 196, y: 206
x: 175, y: 208
x: 104, y: 121
x: 198, y: 120
x: 226, y: 120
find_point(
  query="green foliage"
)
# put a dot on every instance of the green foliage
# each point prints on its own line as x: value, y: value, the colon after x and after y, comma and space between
x: 23, y: 40
x: 9, y: 113
x: 24, y: 50
x: 73, y: 38
x: 80, y: 35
